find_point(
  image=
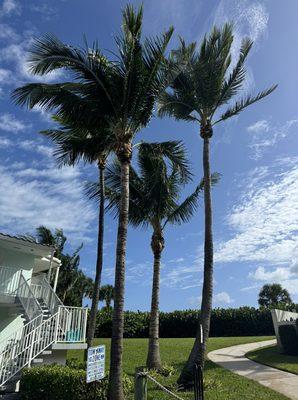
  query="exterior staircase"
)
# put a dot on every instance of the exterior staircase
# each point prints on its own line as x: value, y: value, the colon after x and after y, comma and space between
x: 46, y: 322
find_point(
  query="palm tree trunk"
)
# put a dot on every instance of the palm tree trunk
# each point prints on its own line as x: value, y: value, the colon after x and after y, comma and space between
x: 115, y: 381
x: 197, y: 355
x: 153, y: 357
x: 99, y: 261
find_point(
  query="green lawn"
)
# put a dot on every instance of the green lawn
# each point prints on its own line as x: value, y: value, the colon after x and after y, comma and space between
x: 271, y: 356
x: 224, y: 384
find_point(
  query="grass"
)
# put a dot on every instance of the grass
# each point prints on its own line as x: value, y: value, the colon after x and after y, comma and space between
x: 223, y: 385
x: 271, y: 356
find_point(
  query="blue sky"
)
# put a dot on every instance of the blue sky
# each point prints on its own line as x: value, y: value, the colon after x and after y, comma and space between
x: 256, y: 202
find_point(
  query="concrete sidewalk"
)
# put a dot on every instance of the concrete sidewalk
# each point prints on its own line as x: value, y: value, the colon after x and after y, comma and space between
x: 233, y: 358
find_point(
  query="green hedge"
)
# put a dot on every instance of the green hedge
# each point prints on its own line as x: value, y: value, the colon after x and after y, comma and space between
x: 58, y: 382
x: 289, y: 339
x: 243, y: 321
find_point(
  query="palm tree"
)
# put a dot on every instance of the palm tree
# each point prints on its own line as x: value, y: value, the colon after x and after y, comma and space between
x: 205, y: 80
x: 155, y: 201
x: 119, y: 94
x: 73, y: 284
x: 106, y: 293
x: 75, y: 143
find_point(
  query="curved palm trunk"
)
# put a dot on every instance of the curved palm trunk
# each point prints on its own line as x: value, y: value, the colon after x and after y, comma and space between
x: 197, y: 355
x: 99, y: 261
x: 115, y: 381
x: 153, y: 357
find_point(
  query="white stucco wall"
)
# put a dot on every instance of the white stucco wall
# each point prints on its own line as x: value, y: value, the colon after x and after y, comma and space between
x: 279, y: 317
x: 10, y: 321
x: 19, y: 260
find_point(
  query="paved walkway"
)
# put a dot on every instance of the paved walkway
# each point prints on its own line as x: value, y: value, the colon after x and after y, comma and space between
x: 233, y: 358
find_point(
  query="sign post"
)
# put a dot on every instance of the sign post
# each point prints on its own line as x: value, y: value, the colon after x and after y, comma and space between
x: 95, y: 364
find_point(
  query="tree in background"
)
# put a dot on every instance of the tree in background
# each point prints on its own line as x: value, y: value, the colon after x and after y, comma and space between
x: 155, y: 192
x: 274, y: 296
x: 73, y: 284
x: 106, y: 294
x: 203, y: 81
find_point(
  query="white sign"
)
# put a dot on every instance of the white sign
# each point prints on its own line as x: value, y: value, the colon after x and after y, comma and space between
x: 96, y: 363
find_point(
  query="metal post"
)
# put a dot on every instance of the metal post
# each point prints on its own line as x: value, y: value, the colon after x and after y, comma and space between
x: 56, y: 278
x: 140, y: 384
x: 51, y: 264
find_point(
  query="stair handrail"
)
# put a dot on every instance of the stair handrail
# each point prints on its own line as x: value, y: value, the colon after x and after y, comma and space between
x: 12, y: 346
x: 33, y: 338
x: 27, y: 299
x: 47, y: 294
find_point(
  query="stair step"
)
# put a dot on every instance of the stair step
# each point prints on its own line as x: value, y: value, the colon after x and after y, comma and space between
x: 37, y: 360
x: 47, y: 352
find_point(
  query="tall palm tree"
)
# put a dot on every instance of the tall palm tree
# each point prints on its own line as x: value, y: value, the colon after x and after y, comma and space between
x: 155, y: 201
x: 74, y: 143
x: 106, y: 293
x: 207, y: 81
x: 119, y: 94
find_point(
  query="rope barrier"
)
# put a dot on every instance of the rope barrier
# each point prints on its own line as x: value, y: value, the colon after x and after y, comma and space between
x: 160, y: 385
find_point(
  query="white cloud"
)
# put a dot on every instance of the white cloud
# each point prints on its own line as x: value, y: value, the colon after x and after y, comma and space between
x: 35, y: 146
x: 266, y: 135
x: 286, y: 276
x: 5, y: 142
x: 31, y: 197
x: 8, y: 33
x: 276, y: 275
x: 16, y: 54
x: 250, y: 19
x: 265, y: 226
x: 265, y: 221
x: 259, y: 126
x: 5, y: 74
x: 222, y: 298
x: 10, y: 7
x: 45, y: 10
x: 10, y: 123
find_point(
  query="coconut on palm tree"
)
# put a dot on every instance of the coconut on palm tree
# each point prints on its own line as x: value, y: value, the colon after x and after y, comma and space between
x: 119, y: 94
x: 207, y: 79
x: 155, y: 202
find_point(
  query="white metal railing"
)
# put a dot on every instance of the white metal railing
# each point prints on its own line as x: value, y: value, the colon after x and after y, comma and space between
x: 27, y: 299
x: 42, y: 289
x: 72, y: 324
x: 65, y: 325
x: 9, y: 279
x: 24, y: 345
x: 68, y: 325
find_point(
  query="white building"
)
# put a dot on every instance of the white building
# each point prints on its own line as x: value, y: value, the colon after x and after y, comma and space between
x: 35, y: 327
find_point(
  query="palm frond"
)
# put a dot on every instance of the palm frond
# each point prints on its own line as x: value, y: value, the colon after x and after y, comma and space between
x: 173, y: 151
x: 183, y: 212
x: 236, y: 78
x: 243, y: 103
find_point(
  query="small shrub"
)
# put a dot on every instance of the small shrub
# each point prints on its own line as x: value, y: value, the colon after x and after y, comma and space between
x: 289, y: 339
x: 56, y: 382
x: 75, y: 363
x: 167, y: 370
